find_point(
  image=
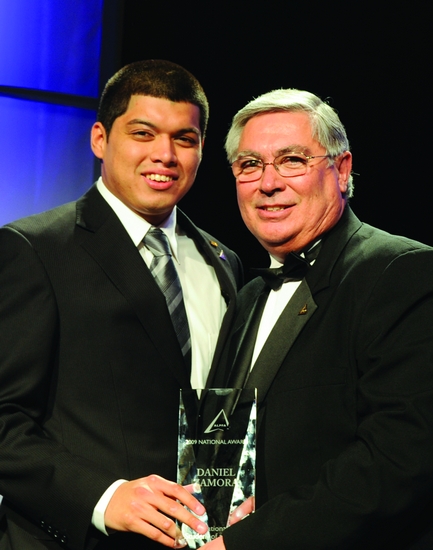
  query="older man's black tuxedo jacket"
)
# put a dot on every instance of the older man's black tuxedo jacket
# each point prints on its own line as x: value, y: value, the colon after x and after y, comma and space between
x: 90, y: 370
x: 345, y: 390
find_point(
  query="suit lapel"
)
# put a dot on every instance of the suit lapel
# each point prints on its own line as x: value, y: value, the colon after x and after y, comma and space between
x: 294, y: 317
x: 212, y: 250
x: 298, y: 311
x: 103, y: 236
x: 333, y: 244
x: 105, y: 239
x: 247, y: 335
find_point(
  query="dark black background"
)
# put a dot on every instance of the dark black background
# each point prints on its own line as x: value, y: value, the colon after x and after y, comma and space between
x: 373, y: 62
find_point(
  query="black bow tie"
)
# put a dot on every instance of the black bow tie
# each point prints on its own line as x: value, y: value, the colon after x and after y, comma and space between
x: 295, y: 268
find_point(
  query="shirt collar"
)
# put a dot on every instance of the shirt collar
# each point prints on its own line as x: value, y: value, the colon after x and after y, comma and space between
x: 135, y: 225
x: 275, y: 263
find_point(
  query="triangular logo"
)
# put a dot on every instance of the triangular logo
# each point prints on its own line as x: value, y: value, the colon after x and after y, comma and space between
x: 220, y: 422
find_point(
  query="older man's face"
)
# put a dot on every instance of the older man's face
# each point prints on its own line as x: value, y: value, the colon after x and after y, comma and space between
x: 287, y: 213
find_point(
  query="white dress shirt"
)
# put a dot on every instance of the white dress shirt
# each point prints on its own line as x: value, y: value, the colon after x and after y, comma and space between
x: 275, y: 304
x: 204, y: 304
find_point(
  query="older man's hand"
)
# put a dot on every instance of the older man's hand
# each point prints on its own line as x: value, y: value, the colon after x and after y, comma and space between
x: 215, y: 544
x: 241, y: 512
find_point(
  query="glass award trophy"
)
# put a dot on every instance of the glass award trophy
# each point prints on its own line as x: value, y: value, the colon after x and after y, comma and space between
x: 216, y: 455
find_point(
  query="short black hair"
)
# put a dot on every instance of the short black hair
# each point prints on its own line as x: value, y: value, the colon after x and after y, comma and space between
x: 155, y: 78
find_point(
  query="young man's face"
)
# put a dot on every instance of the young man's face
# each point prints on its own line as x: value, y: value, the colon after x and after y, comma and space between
x: 151, y: 157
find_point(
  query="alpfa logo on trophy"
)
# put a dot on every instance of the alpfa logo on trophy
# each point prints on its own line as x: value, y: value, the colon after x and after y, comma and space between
x: 220, y: 422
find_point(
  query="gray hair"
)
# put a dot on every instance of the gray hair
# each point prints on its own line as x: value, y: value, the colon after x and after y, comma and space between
x: 325, y: 123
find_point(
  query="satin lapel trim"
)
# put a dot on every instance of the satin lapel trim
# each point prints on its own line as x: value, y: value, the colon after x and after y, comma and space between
x: 111, y: 247
x: 247, y: 338
x: 333, y: 244
x: 236, y: 353
x: 295, y: 316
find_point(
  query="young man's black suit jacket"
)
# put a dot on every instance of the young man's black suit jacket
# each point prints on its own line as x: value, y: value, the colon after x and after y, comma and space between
x: 345, y: 390
x: 90, y: 370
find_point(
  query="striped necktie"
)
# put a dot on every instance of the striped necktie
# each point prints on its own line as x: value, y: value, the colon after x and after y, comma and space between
x: 165, y: 274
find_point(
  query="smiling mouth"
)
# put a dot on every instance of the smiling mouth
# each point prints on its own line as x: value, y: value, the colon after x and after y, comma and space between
x: 159, y: 177
x: 272, y: 208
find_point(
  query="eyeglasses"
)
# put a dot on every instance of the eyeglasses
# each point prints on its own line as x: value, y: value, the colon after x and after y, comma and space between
x: 248, y: 169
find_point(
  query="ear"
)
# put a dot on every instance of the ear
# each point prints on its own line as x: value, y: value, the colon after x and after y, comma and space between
x: 201, y: 149
x: 343, y: 165
x: 98, y: 140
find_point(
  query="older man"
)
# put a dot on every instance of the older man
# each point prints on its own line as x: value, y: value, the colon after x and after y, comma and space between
x: 337, y: 338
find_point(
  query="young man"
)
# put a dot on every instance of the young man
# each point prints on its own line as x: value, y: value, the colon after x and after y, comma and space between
x: 93, y: 351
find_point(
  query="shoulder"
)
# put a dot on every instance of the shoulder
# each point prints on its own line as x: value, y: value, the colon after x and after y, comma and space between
x: 378, y: 270
x: 60, y: 225
x: 45, y: 222
x: 376, y: 241
x: 359, y: 249
x: 48, y: 237
x: 377, y: 251
x: 48, y: 230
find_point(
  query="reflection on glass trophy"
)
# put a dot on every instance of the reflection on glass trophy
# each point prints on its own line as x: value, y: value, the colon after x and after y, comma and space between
x: 217, y: 454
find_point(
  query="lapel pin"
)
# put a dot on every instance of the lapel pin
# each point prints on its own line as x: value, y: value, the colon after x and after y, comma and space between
x: 303, y: 310
x: 218, y: 250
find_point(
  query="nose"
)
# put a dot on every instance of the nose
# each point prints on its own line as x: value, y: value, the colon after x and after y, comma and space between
x: 271, y: 181
x: 163, y: 151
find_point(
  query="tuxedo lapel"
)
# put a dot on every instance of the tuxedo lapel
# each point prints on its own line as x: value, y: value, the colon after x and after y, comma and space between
x: 298, y: 311
x: 333, y: 244
x: 292, y: 320
x: 104, y: 238
x: 247, y: 335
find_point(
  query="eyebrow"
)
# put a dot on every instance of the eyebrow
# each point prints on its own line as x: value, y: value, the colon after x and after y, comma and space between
x: 187, y: 130
x: 140, y: 121
x: 248, y: 153
x: 295, y: 148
